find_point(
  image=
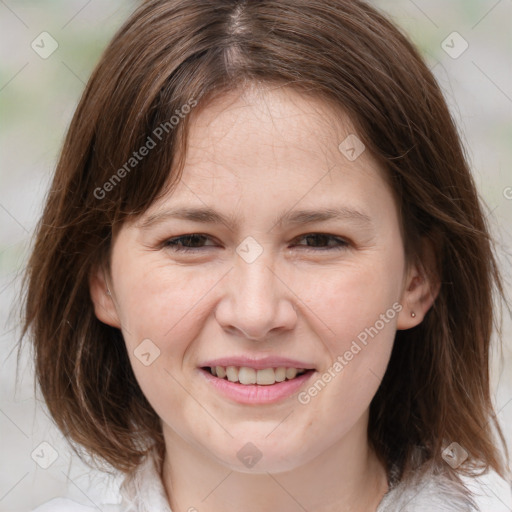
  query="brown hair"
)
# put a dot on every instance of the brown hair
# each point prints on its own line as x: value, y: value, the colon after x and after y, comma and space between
x: 171, y: 53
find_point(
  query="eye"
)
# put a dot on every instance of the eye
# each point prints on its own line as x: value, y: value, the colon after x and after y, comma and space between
x: 321, y: 241
x: 314, y: 241
x: 189, y: 243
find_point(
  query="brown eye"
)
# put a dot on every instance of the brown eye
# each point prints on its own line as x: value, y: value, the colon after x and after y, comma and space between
x: 323, y: 241
x: 189, y: 242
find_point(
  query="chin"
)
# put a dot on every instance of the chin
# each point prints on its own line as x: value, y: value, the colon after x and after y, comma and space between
x: 262, y: 456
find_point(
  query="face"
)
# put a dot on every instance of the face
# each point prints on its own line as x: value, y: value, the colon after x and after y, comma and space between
x: 298, y: 263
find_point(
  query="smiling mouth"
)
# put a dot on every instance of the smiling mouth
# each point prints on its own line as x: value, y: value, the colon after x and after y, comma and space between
x: 250, y: 376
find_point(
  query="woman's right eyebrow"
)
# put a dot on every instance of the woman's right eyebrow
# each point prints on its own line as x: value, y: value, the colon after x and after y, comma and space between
x: 290, y: 217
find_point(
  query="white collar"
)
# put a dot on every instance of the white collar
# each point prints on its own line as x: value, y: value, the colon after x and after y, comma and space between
x: 143, y: 491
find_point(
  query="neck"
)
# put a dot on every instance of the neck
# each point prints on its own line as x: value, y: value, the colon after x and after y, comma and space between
x: 345, y: 477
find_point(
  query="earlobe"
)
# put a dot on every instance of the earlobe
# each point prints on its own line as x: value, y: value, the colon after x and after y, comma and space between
x: 416, y: 300
x: 102, y: 299
x: 420, y: 291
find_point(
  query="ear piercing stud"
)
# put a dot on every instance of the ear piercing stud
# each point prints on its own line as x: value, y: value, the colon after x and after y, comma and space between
x: 413, y: 314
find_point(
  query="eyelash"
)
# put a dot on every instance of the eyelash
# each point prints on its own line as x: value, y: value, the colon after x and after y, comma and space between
x: 171, y: 243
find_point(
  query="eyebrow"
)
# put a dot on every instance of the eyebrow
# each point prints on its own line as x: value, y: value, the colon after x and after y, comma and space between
x: 293, y: 217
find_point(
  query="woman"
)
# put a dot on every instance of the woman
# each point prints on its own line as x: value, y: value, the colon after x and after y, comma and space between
x: 263, y: 277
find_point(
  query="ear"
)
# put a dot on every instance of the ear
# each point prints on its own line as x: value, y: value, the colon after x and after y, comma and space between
x: 421, y: 287
x: 104, y: 305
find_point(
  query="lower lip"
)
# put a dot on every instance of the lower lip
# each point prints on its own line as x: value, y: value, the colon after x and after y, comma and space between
x: 257, y: 394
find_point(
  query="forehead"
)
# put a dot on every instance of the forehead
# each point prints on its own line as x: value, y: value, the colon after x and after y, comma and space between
x: 271, y: 148
x: 269, y: 122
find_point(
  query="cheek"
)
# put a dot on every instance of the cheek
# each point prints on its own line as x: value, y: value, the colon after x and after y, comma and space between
x: 353, y: 297
x: 161, y: 301
x: 356, y: 310
x: 358, y: 306
x: 163, y: 310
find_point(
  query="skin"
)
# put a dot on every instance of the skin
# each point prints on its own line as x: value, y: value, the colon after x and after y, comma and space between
x: 254, y: 154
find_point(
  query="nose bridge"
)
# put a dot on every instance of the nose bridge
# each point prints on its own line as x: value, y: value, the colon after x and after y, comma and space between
x: 255, y: 287
x: 253, y: 268
x: 257, y: 301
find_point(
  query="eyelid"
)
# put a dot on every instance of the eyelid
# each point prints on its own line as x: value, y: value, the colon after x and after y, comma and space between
x: 167, y: 242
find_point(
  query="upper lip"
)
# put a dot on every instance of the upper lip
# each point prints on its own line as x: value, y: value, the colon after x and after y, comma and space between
x: 258, y: 364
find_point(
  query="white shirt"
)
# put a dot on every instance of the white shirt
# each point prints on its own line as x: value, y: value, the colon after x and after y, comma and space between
x: 143, y: 491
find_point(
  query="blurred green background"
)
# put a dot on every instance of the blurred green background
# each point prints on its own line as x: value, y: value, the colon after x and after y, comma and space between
x: 38, y: 97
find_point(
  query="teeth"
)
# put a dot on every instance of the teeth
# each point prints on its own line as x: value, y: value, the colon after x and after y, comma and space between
x: 246, y: 376
x: 280, y: 374
x: 265, y: 377
x: 291, y: 373
x: 232, y: 373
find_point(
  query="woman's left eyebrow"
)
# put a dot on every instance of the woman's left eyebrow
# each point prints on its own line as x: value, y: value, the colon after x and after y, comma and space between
x: 211, y: 216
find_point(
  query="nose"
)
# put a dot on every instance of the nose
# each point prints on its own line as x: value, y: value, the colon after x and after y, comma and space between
x: 257, y: 302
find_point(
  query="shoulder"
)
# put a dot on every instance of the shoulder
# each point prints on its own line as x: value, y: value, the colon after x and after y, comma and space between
x: 137, y: 491
x: 99, y: 491
x: 426, y: 491
x: 491, y: 492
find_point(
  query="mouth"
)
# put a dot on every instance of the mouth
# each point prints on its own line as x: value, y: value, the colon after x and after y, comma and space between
x: 247, y: 376
x: 251, y: 386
